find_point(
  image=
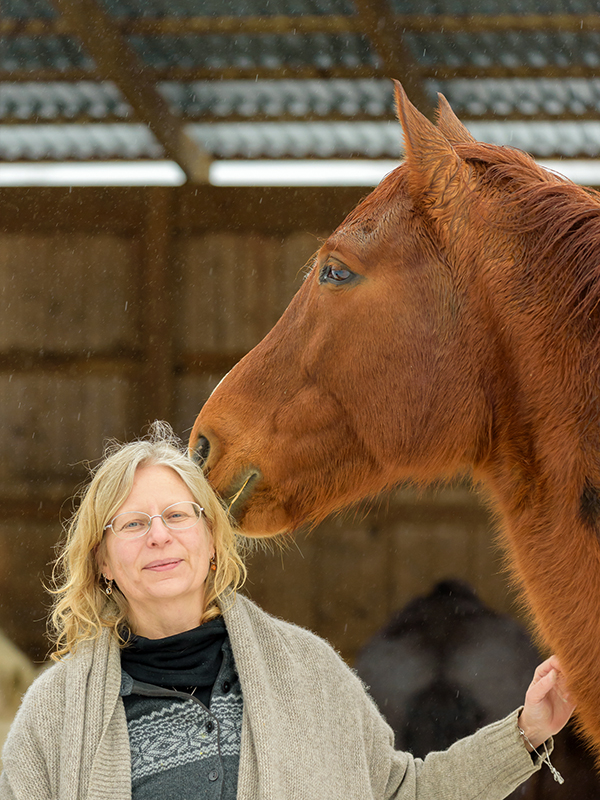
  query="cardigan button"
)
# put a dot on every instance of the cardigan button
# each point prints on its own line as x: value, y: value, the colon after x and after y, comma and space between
x: 210, y: 726
x: 226, y: 686
x: 213, y: 775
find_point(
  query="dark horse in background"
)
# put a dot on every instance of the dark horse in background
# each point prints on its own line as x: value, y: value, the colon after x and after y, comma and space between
x: 446, y: 664
x: 451, y: 323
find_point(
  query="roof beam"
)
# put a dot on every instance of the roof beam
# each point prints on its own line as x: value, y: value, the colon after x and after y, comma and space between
x: 437, y: 72
x: 379, y: 25
x: 117, y: 62
x: 477, y: 23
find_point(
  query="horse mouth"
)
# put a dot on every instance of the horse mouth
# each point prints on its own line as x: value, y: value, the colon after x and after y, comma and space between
x: 239, y: 492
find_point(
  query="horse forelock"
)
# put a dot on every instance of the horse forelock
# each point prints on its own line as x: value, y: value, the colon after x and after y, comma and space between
x: 375, y: 215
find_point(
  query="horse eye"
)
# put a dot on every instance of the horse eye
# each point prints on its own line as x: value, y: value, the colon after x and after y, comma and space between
x: 333, y: 274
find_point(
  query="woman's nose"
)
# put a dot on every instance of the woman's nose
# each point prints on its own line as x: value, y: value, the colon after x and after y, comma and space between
x: 158, y: 530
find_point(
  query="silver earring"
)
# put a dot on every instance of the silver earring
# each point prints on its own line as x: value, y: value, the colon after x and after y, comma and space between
x: 109, y: 586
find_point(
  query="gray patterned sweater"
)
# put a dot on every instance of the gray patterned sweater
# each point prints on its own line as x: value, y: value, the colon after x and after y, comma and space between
x: 181, y: 748
x: 309, y: 731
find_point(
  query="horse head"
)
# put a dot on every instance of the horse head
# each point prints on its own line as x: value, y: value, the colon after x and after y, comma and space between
x: 356, y: 387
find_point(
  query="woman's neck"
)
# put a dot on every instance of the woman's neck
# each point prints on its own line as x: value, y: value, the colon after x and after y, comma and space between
x: 165, y: 619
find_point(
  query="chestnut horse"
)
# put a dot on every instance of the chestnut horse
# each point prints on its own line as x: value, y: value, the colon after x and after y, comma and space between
x: 450, y: 323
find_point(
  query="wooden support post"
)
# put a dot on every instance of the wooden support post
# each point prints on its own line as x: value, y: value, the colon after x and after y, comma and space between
x: 379, y: 25
x: 156, y: 387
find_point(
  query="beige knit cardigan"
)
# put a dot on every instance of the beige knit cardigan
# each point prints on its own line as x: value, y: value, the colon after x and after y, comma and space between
x: 310, y: 731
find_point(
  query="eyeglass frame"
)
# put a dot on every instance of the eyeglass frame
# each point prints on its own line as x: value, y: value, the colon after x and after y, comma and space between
x: 154, y: 516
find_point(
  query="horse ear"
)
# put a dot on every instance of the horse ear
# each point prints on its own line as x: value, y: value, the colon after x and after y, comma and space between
x: 437, y: 177
x: 450, y: 125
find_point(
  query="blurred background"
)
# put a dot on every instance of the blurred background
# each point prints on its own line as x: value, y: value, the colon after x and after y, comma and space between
x: 167, y: 169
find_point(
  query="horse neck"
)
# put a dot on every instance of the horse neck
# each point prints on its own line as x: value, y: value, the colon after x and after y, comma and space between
x: 544, y: 473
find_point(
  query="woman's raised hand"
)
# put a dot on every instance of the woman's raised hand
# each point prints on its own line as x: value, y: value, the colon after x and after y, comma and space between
x: 548, y: 703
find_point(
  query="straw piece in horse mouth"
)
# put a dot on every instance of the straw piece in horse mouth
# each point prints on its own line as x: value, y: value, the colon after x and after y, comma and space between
x: 237, y: 501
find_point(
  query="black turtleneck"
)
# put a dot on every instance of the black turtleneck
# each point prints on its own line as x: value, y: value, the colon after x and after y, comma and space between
x: 186, y: 661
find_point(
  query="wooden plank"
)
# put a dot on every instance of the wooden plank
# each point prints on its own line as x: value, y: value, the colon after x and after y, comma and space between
x: 117, y: 62
x: 274, y: 210
x: 81, y: 209
x: 155, y: 311
x: 122, y: 211
x: 327, y: 23
x: 47, y: 283
x: 26, y: 550
x: 271, y: 24
x: 27, y: 361
x: 194, y: 327
x: 350, y: 586
x: 191, y: 392
x: 52, y: 423
x: 281, y: 578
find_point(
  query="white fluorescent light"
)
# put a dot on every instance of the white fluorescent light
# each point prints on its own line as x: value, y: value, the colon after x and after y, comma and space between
x: 586, y: 173
x: 300, y: 173
x: 356, y: 172
x: 92, y: 173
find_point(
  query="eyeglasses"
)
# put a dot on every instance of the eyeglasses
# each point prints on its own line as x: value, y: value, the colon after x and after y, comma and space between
x: 134, y: 524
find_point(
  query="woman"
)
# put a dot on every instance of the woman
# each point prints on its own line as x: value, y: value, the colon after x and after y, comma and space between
x: 169, y: 684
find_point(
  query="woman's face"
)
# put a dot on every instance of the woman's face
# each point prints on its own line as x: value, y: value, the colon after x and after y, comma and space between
x: 162, y: 573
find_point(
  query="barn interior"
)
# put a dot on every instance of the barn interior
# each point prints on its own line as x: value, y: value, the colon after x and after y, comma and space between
x: 123, y: 303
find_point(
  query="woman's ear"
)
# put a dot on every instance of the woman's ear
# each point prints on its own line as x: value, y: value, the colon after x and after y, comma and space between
x: 101, y: 562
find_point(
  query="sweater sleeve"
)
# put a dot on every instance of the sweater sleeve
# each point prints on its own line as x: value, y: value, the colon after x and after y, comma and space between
x: 25, y: 771
x: 489, y: 764
x: 6, y: 793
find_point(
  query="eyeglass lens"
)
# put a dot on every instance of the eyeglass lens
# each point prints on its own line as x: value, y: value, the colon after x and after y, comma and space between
x: 178, y: 516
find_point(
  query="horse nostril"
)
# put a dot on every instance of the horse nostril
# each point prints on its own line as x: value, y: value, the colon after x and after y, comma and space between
x: 201, y: 451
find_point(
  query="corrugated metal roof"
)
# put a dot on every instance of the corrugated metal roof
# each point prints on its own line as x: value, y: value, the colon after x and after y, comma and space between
x: 234, y: 8
x: 26, y: 9
x: 24, y: 52
x: 250, y: 140
x: 299, y: 139
x: 292, y: 50
x: 509, y: 49
x: 543, y: 139
x: 454, y: 49
x: 212, y: 51
x: 300, y: 98
x: 523, y: 96
x: 164, y: 8
x: 58, y: 100
x: 79, y: 142
x: 289, y: 117
x: 271, y: 98
x: 65, y: 100
x: 493, y: 7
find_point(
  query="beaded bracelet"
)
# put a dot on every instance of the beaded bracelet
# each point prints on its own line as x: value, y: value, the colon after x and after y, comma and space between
x: 545, y: 758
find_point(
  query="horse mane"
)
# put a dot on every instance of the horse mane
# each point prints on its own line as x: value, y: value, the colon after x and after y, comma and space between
x: 557, y: 222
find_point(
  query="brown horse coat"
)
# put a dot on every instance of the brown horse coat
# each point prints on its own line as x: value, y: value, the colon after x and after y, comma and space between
x: 449, y: 323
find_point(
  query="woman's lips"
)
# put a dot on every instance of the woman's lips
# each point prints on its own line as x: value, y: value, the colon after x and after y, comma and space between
x: 163, y: 565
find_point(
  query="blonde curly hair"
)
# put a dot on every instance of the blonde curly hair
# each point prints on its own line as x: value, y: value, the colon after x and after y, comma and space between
x: 81, y: 608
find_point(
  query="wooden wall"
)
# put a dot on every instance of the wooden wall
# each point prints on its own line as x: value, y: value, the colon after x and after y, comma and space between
x: 119, y: 306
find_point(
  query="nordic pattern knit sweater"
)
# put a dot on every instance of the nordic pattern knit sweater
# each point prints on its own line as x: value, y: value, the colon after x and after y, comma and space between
x: 309, y: 731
